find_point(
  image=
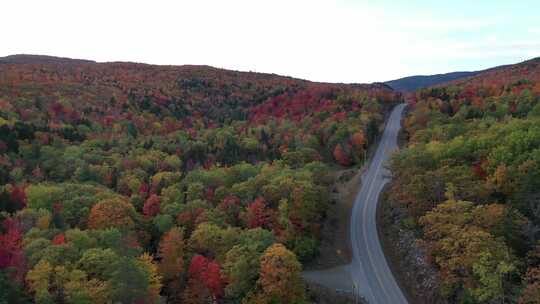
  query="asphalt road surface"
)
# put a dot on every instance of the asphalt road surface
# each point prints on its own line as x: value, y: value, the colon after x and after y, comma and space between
x: 369, y: 271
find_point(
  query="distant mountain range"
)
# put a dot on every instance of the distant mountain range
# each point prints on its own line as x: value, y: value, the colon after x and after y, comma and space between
x: 39, y: 59
x: 413, y: 83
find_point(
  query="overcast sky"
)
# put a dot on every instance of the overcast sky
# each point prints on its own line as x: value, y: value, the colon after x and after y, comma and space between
x: 334, y: 41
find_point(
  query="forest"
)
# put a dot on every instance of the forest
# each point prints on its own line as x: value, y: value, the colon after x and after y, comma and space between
x: 469, y: 179
x: 134, y: 183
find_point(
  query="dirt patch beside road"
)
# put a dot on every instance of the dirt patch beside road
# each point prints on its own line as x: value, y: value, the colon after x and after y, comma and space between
x: 322, y: 295
x: 335, y: 247
x: 327, y: 277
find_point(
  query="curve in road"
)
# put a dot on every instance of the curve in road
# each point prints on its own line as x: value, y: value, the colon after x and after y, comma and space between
x: 370, y: 273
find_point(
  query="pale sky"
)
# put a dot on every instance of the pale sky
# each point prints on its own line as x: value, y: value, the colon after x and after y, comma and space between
x: 332, y: 41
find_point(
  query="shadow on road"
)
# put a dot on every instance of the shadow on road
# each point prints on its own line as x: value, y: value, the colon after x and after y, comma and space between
x: 337, y: 278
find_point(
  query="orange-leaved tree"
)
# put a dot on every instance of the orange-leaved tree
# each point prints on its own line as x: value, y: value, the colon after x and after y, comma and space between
x: 171, y: 265
x: 279, y: 278
x: 112, y: 213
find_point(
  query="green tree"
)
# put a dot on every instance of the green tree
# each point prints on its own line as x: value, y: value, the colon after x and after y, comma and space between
x: 129, y: 281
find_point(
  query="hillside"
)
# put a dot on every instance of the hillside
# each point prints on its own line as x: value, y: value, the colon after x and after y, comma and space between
x: 503, y: 75
x: 468, y: 184
x: 139, y: 183
x: 39, y: 59
x: 413, y: 83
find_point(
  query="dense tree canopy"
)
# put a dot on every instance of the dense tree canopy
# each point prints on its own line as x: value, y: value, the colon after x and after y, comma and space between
x: 136, y: 183
x: 469, y: 181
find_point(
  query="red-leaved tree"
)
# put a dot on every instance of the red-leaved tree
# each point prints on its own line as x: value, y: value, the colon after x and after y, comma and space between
x: 205, y: 283
x: 151, y: 206
x: 59, y: 239
x: 11, y: 253
x: 342, y: 155
x: 18, y: 197
x: 258, y: 215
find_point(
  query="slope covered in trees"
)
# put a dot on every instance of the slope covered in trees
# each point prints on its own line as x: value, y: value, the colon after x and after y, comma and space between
x: 413, y: 83
x: 129, y: 183
x: 469, y: 182
x: 39, y: 59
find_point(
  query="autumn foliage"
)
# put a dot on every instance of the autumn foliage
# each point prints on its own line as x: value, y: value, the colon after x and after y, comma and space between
x: 258, y: 214
x: 134, y: 183
x: 468, y: 181
x: 205, y: 281
x: 280, y: 276
x: 171, y: 254
x: 151, y: 206
x: 11, y: 251
x: 115, y: 213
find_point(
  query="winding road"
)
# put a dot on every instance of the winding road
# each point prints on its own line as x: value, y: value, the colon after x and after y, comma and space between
x: 370, y: 273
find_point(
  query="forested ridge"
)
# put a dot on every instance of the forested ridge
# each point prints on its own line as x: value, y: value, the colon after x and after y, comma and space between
x: 414, y: 83
x: 469, y: 184
x: 134, y: 183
